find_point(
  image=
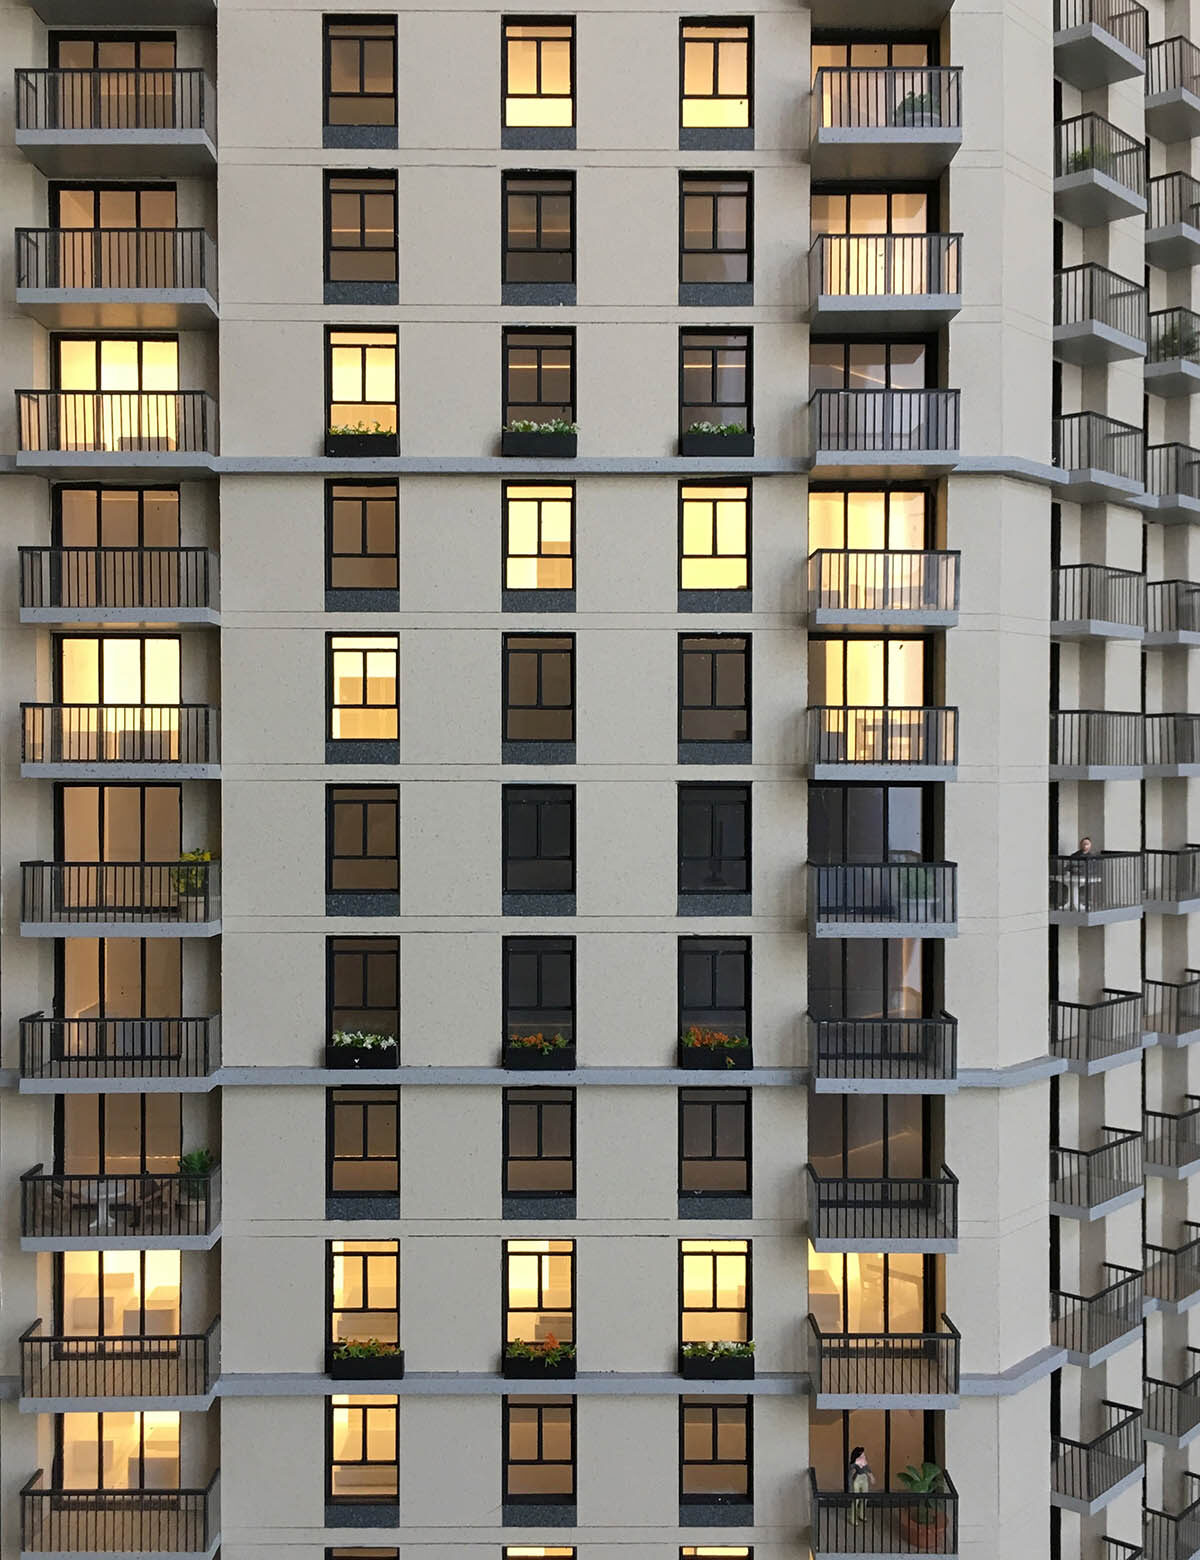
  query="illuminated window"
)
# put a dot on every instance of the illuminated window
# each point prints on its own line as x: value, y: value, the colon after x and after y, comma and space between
x: 539, y: 227
x: 539, y: 73
x: 364, y: 984
x: 715, y: 213
x: 716, y: 1442
x: 362, y: 536
x: 139, y: 382
x: 714, y: 536
x: 122, y: 695
x: 714, y: 1291
x: 714, y: 1552
x: 539, y: 839
x: 538, y: 1552
x: 714, y: 378
x: 364, y: 839
x: 113, y: 1134
x: 364, y: 1554
x: 539, y: 1449
x: 121, y: 1451
x: 539, y: 986
x: 714, y: 839
x: 363, y: 688
x: 118, y: 99
x: 360, y: 227
x: 363, y: 388
x: 539, y: 536
x: 364, y: 1290
x: 869, y: 365
x: 539, y: 688
x: 714, y: 983
x: 714, y: 688
x: 363, y: 1448
x: 363, y: 1152
x: 716, y: 90
x: 868, y: 1293
x: 360, y: 71
x: 539, y: 375
x: 539, y: 1143
x: 714, y: 1142
x: 539, y: 1289
x: 132, y: 1294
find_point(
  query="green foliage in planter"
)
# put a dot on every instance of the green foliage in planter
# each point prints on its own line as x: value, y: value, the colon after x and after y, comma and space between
x: 548, y: 1352
x: 364, y: 1349
x: 1085, y: 157
x: 359, y: 427
x: 188, y: 879
x: 538, y: 1042
x: 914, y: 104
x: 555, y: 425
x: 195, y: 1167
x: 928, y: 1479
x: 721, y: 428
x: 719, y: 1350
x: 1176, y: 340
x: 361, y: 1040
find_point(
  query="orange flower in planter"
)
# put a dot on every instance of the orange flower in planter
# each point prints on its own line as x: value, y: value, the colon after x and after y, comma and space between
x: 696, y: 1039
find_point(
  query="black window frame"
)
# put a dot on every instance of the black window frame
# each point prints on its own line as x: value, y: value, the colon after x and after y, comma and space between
x: 507, y: 21
x: 508, y: 492
x: 377, y: 19
x: 362, y: 330
x: 713, y: 950
x: 367, y: 947
x: 539, y: 1100
x: 511, y: 336
x: 565, y: 177
x: 362, y: 1257
x: 366, y: 796
x: 363, y: 486
x: 553, y: 1497
x: 539, y: 946
x: 694, y: 338
x: 711, y: 1101
x: 710, y: 1406
x: 716, y: 96
x: 100, y: 636
x: 384, y: 175
x: 694, y: 644
x: 539, y: 796
x: 691, y: 793
x: 687, y: 491
x: 139, y: 491
x: 686, y: 178
x: 372, y: 1498
x: 746, y: 1310
x: 925, y: 490
x: 341, y: 1097
x: 839, y: 189
x: 330, y: 706
x: 361, y: 1552
x: 515, y: 643
x: 888, y: 342
x: 508, y: 1311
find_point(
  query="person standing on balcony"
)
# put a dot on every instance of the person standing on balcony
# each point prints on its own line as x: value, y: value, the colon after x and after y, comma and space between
x: 859, y: 1480
x: 1082, y: 873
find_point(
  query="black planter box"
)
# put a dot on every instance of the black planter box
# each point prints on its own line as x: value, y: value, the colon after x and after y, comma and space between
x: 740, y: 1368
x: 540, y: 446
x: 361, y: 446
x: 527, y: 1059
x: 712, y: 446
x: 384, y: 1367
x: 716, y: 1058
x: 353, y: 1056
x: 535, y: 1370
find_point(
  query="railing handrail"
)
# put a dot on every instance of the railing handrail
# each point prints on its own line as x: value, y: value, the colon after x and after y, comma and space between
x: 886, y: 1497
x: 87, y: 704
x: 937, y: 1020
x: 34, y: 1334
x: 38, y: 1174
x: 1118, y: 998
x: 1128, y: 1416
x: 1132, y: 1276
x: 1104, y: 570
x: 949, y: 1331
x: 945, y: 1177
x: 1121, y: 1136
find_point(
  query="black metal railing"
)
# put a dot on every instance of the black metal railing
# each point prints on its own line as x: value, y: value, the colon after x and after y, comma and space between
x: 1173, y: 607
x: 1087, y: 1177
x: 888, y: 97
x: 885, y: 1364
x: 119, y: 734
x: 881, y: 265
x: 119, y: 1047
x: 1088, y: 441
x: 1086, y: 294
x: 884, y: 1522
x: 1124, y: 19
x: 1092, y: 592
x: 1085, y: 1323
x: 1173, y: 64
x: 118, y: 577
x: 129, y: 259
x: 913, y: 893
x: 1173, y: 876
x: 1174, y: 335
x: 1118, y: 1549
x: 1102, y: 880
x: 120, y: 891
x: 118, y: 1521
x: 148, y: 422
x: 857, y: 580
x: 909, y: 1049
x: 69, y: 1365
x: 882, y: 734
x: 1172, y: 740
x: 1173, y: 469
x: 884, y: 1208
x: 1174, y: 201
x: 1168, y: 1535
x: 1172, y: 1007
x: 885, y: 421
x: 1173, y: 1272
x: 1085, y: 1470
x: 1091, y: 1031
x: 61, y: 1206
x: 1173, y: 1137
x: 112, y: 99
x: 1082, y: 739
x: 1173, y: 1408
x: 1089, y: 143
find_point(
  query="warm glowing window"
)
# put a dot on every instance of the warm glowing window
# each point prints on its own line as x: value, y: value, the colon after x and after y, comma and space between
x: 360, y: 71
x: 118, y: 99
x: 539, y: 1449
x: 121, y: 977
x: 126, y: 670
x: 139, y: 381
x: 714, y: 1552
x: 539, y: 839
x: 714, y: 1142
x: 364, y: 839
x: 894, y: 520
x: 364, y: 1143
x: 132, y: 1294
x: 539, y: 1288
x: 539, y: 986
x: 537, y: 1552
x: 714, y: 552
x: 716, y: 75
x: 868, y: 672
x: 714, y: 839
x: 360, y: 1553
x: 714, y: 688
x: 868, y: 1293
x: 363, y: 1448
x: 123, y: 698
x: 539, y: 73
x: 714, y: 1296
x: 110, y: 364
x: 539, y: 227
x: 539, y: 536
x: 714, y: 984
x: 714, y: 374
x: 715, y: 228
x: 360, y: 227
x: 364, y: 984
x: 539, y: 688
x: 715, y: 1440
x: 362, y: 380
x: 870, y: 365
x: 364, y: 1298
x: 539, y: 375
x: 122, y: 1451
x: 363, y: 689
x: 117, y: 517
x: 539, y: 1143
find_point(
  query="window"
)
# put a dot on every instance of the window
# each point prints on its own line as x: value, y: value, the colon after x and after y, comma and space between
x: 539, y: 986
x: 379, y: 1554
x: 715, y: 228
x: 125, y: 693
x: 364, y: 1449
x: 118, y: 1134
x: 363, y: 683
x: 360, y: 227
x: 363, y: 387
x: 539, y: 839
x: 539, y: 688
x: 714, y: 1142
x: 714, y: 378
x: 117, y: 1451
x: 539, y: 1143
x: 364, y: 839
x: 116, y: 1294
x: 138, y: 405
x: 871, y: 1136
x: 539, y: 1291
x: 539, y: 73
x: 360, y: 71
x: 114, y: 236
x: 539, y: 375
x: 714, y: 1552
x: 897, y: 519
x: 715, y: 88
x: 861, y: 1293
x: 714, y: 839
x: 363, y: 1143
x: 714, y: 536
x: 364, y: 984
x: 870, y: 365
x: 364, y: 1290
x: 714, y: 984
x: 539, y: 1450
x: 539, y: 536
x: 537, y: 1552
x: 714, y: 688
x: 715, y: 1437
x: 714, y: 1291
x: 539, y: 228
x: 362, y: 537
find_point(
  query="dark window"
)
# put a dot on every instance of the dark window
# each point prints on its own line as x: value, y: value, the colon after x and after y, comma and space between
x: 539, y: 376
x: 363, y: 1142
x: 360, y: 227
x: 714, y: 839
x: 364, y: 1290
x: 539, y: 536
x: 870, y: 1136
x: 539, y: 839
x: 714, y: 1291
x: 539, y: 688
x: 715, y: 227
x: 362, y: 371
x: 714, y: 378
x: 714, y: 1142
x: 539, y: 1291
x: 539, y: 986
x: 715, y: 1440
x: 115, y: 518
x: 539, y: 227
x: 714, y: 984
x: 539, y: 1142
x: 538, y: 70
x: 362, y: 533
x: 364, y: 1448
x: 151, y: 52
x: 871, y: 365
x: 117, y: 1134
x: 867, y: 977
x: 870, y: 823
x: 360, y: 71
x: 714, y: 536
x: 715, y: 75
x: 539, y: 1449
x: 363, y: 683
x: 364, y: 984
x: 714, y: 688
x: 364, y: 839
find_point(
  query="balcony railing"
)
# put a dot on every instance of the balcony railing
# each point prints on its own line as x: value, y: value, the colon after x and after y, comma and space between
x: 1172, y: 1409
x: 71, y: 1366
x: 73, y: 1206
x: 1087, y: 441
x: 119, y: 734
x: 1174, y: 201
x: 1085, y: 1470
x: 1173, y: 64
x: 1124, y: 20
x: 112, y: 100
x: 1089, y: 143
x: 1168, y: 1535
x: 147, y: 422
x: 1173, y: 607
x: 883, y: 422
x: 887, y: 734
x: 881, y: 265
x: 1172, y: 1007
x: 1090, y: 294
x: 1096, y: 739
x: 1084, y: 1324
x: 888, y: 97
x: 1173, y: 1137
x: 883, y: 1522
x: 73, y: 892
x: 1172, y: 876
x: 1173, y: 470
x: 1172, y: 741
x: 885, y: 1049
x: 1088, y: 1178
x: 1102, y: 881
x: 1118, y: 1549
x: 116, y: 259
x: 1092, y: 592
x: 911, y: 893
x: 133, y: 1522
x: 118, y: 578
x: 1091, y: 1031
x: 884, y: 1208
x: 876, y: 581
x: 1173, y: 1272
x: 118, y: 1047
x: 885, y: 1364
x: 1174, y: 335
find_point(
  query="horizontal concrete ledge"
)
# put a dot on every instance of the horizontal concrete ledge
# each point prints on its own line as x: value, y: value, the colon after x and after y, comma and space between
x: 100, y: 1242
x: 1100, y: 1210
x: 1172, y: 1172
x: 612, y: 1077
x: 1025, y: 1373
x: 1014, y: 1075
x: 1018, y: 466
x: 1179, y: 1442
x: 120, y: 769
x: 112, y: 1405
x: 490, y: 1384
x: 1105, y: 1351
x: 120, y: 928
x: 1103, y: 1064
x: 497, y: 465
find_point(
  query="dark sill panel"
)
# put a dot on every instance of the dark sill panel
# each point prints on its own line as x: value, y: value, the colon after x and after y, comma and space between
x: 716, y: 295
x: 710, y: 1513
x: 362, y: 904
x: 537, y: 752
x: 538, y: 1208
x: 537, y: 601
x: 362, y: 600
x: 371, y: 1207
x: 538, y: 904
x: 538, y: 138
x: 703, y: 1206
x: 365, y: 295
x: 538, y: 1513
x: 366, y: 137
x: 715, y: 601
x: 715, y: 753
x: 537, y: 295
x: 362, y: 752
x: 716, y: 139
x: 362, y: 1514
x: 714, y: 904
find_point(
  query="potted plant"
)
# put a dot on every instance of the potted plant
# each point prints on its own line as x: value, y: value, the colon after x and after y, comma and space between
x: 1175, y: 340
x: 545, y: 1360
x: 364, y: 1359
x: 190, y: 882
x: 550, y: 440
x: 717, y: 440
x: 359, y: 1048
x: 917, y: 109
x: 711, y: 1048
x: 195, y: 1176
x: 360, y: 441
x: 923, y: 1521
x: 525, y: 1052
x: 1085, y: 157
x: 717, y: 1361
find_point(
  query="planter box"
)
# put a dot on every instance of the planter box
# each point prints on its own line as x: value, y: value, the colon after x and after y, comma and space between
x: 361, y: 446
x: 350, y: 1056
x: 924, y: 1536
x: 384, y: 1367
x: 716, y: 1058
x: 524, y: 1059
x: 540, y: 446
x: 740, y: 1368
x: 712, y: 446
x: 534, y: 1370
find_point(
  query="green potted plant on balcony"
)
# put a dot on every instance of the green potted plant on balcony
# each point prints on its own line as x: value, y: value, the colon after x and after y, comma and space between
x: 551, y: 440
x: 1176, y: 339
x: 717, y: 441
x: 717, y: 1361
x: 538, y: 1050
x: 546, y: 1359
x: 190, y: 880
x: 1084, y: 158
x: 917, y: 110
x: 713, y: 1048
x: 364, y: 1359
x: 923, y: 1520
x: 195, y: 1179
x: 360, y: 441
x: 361, y: 1048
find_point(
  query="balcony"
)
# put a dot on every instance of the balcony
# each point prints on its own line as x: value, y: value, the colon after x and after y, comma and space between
x: 1172, y: 614
x: 118, y: 1368
x: 885, y: 122
x: 1172, y: 881
x: 884, y: 1523
x: 1096, y: 745
x: 1173, y: 90
x: 120, y: 1212
x: 1089, y: 1184
x: 185, y: 1523
x: 1097, y: 42
x: 884, y: 899
x: 1172, y: 1010
x: 859, y: 588
x: 1091, y: 1327
x: 1174, y: 1535
x: 1172, y: 483
x: 885, y: 1370
x: 120, y: 899
x: 1173, y: 358
x: 1173, y: 1272
x: 135, y: 585
x: 1173, y: 221
x: 97, y: 433
x: 120, y: 741
x: 881, y: 433
x: 884, y: 281
x: 1172, y: 1409
x: 1092, y: 601
x: 1099, y: 316
x: 1093, y: 1037
x: 116, y: 124
x: 55, y: 1049
x: 117, y: 278
x: 883, y: 1055
x: 1099, y: 172
x: 1101, y: 460
x: 883, y: 1213
x: 1173, y: 1141
x: 1097, y: 889
x: 1087, y: 1475
x: 889, y: 743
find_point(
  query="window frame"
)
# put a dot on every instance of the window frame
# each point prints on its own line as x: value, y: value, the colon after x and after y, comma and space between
x: 746, y: 1311
x: 691, y: 336
x: 331, y: 858
x: 564, y: 645
x: 508, y: 1311
x: 380, y: 948
x: 362, y: 330
x: 331, y: 1257
x: 542, y: 1498
x: 331, y: 1158
x: 539, y: 1099
x: 332, y: 497
x: 563, y: 176
x: 926, y: 491
x: 389, y: 176
x: 714, y: 1099
x: 687, y: 494
x: 889, y: 341
x: 506, y: 491
x: 331, y: 708
x: 552, y: 795
x: 711, y: 1405
x: 507, y: 21
x: 689, y: 945
x: 525, y: 943
x: 710, y: 788
x: 510, y: 336
x: 715, y: 96
x: 702, y: 177
x: 331, y: 1403
x: 746, y: 641
x: 378, y: 19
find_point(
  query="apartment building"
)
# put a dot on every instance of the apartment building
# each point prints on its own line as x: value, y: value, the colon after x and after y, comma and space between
x: 564, y: 572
